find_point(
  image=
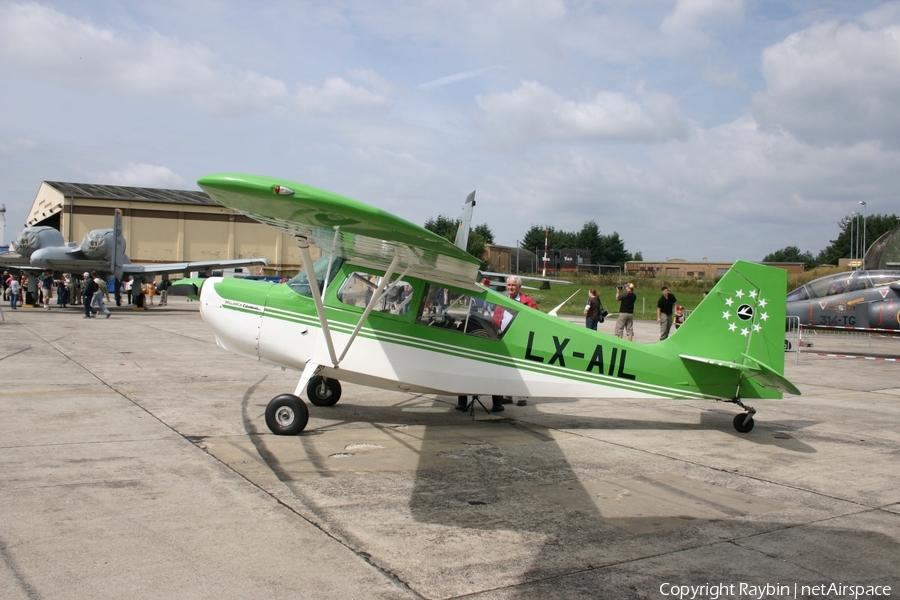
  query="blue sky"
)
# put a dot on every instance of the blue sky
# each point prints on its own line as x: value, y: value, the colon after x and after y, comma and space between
x: 722, y: 129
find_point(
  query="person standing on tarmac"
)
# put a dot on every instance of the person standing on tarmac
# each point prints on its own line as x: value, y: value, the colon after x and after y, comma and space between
x: 664, y: 312
x: 625, y: 322
x: 87, y: 294
x: 592, y: 310
x: 102, y: 290
x: 502, y: 319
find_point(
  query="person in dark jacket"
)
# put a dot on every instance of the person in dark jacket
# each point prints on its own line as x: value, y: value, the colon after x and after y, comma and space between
x: 87, y: 294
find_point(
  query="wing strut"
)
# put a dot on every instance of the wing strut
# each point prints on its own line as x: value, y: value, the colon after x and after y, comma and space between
x: 379, y: 293
x: 303, y: 244
x: 337, y: 234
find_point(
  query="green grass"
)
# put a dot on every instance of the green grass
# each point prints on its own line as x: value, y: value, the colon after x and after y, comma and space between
x: 688, y: 292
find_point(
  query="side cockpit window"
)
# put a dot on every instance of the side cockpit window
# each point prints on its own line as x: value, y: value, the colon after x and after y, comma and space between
x: 454, y: 311
x: 359, y: 288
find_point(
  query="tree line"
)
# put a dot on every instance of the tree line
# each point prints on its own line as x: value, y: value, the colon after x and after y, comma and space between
x: 605, y: 249
x: 850, y: 227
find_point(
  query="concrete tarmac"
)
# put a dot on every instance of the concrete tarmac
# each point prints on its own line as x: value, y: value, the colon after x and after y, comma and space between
x: 135, y: 463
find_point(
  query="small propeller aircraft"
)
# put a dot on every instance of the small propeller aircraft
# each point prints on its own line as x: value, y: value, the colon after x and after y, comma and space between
x: 101, y: 250
x: 366, y: 313
x: 852, y: 300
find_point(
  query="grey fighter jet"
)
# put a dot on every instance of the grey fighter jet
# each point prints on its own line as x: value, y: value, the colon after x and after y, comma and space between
x: 101, y: 250
x: 861, y: 300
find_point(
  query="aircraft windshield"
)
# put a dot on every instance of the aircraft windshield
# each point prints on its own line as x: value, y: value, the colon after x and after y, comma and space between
x: 446, y: 309
x: 300, y: 283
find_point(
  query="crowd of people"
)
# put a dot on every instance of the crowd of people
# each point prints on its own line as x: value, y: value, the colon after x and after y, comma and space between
x: 89, y: 289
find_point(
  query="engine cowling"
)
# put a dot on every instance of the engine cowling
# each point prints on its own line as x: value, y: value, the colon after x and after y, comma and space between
x: 34, y: 238
x: 99, y: 244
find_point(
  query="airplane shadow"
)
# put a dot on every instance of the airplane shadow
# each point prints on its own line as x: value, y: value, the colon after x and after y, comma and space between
x: 523, y: 491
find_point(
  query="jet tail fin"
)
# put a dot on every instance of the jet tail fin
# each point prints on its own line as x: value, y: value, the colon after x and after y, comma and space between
x: 465, y: 222
x: 118, y: 250
x: 740, y: 325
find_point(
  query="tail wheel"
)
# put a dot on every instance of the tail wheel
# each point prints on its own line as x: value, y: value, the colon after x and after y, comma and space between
x: 286, y: 415
x: 323, y: 391
x: 743, y: 423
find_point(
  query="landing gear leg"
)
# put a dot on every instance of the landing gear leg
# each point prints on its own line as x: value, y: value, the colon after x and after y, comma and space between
x: 743, y: 422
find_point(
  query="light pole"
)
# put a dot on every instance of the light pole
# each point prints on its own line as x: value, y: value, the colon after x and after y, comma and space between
x: 865, y: 216
x: 853, y: 242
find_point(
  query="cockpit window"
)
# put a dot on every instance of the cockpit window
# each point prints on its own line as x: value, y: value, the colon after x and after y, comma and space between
x: 830, y: 286
x: 359, y: 287
x: 447, y: 309
x: 300, y: 282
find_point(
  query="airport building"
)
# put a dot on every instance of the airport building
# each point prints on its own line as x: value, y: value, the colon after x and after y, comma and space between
x: 164, y: 226
x: 677, y: 267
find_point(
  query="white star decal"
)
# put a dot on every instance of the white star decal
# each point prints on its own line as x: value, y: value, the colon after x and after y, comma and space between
x: 753, y: 294
x: 732, y: 327
x: 729, y: 301
x: 739, y: 293
x: 745, y: 331
x: 757, y: 328
x: 726, y: 315
x: 762, y: 302
x: 764, y: 316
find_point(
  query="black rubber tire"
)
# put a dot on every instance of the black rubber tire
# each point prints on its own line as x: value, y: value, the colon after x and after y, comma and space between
x: 739, y: 423
x: 787, y: 345
x: 322, y: 391
x: 286, y: 415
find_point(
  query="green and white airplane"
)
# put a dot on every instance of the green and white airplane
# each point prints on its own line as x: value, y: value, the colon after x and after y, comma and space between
x: 375, y: 310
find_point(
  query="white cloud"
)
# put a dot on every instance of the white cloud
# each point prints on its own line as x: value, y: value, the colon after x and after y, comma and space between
x: 690, y: 18
x: 18, y: 145
x: 141, y: 175
x: 724, y: 78
x: 833, y: 83
x: 337, y: 95
x: 534, y: 112
x: 78, y: 54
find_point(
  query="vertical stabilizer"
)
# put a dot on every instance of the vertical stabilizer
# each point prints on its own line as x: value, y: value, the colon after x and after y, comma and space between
x: 465, y: 221
x: 741, y: 322
x: 118, y: 249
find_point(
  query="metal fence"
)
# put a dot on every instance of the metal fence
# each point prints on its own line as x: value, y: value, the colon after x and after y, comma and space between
x: 846, y: 341
x: 793, y: 338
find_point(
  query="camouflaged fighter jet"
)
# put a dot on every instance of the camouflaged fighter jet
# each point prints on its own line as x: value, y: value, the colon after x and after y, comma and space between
x: 365, y: 313
x: 854, y: 300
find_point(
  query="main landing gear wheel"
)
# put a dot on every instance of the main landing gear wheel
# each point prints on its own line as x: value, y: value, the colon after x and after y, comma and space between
x: 740, y: 425
x: 286, y: 415
x: 322, y: 391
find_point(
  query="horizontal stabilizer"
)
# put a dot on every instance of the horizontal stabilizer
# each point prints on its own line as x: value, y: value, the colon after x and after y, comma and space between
x: 756, y: 369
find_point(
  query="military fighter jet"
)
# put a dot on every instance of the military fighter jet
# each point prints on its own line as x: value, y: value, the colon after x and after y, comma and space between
x: 101, y: 250
x: 854, y: 300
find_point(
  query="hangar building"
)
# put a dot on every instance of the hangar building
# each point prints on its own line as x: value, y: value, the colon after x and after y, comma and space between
x: 163, y: 226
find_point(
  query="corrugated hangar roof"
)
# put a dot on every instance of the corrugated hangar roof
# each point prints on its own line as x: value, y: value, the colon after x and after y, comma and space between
x: 119, y: 192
